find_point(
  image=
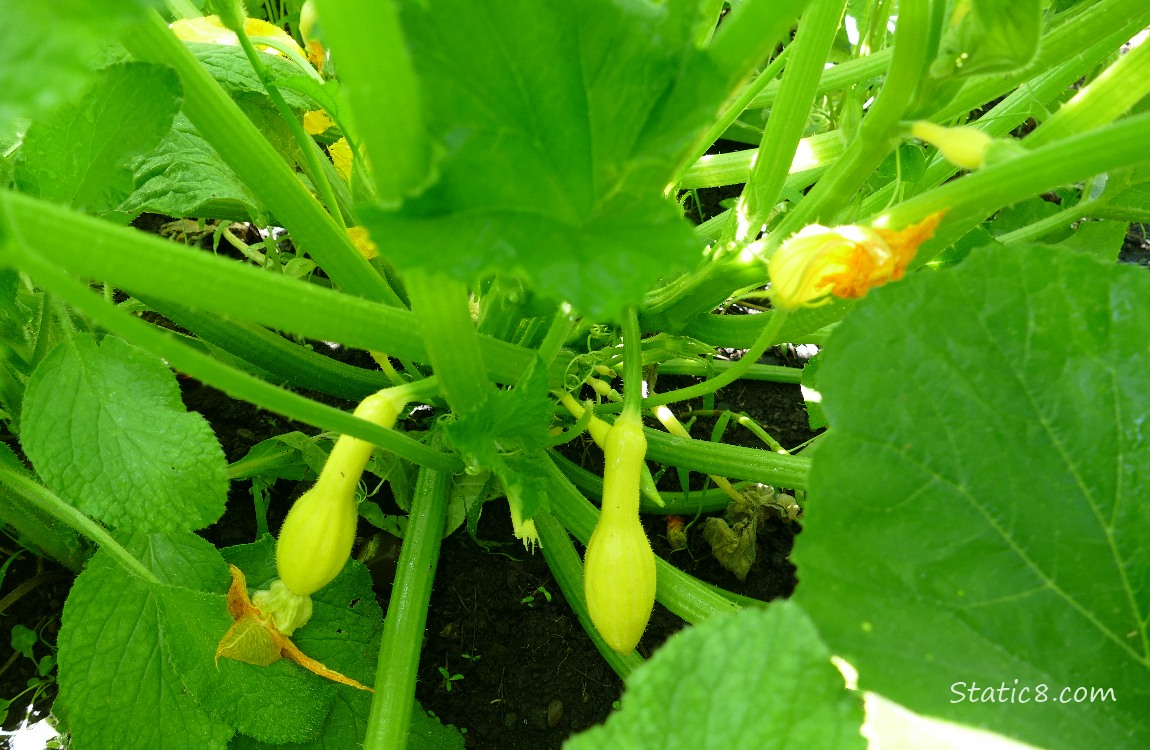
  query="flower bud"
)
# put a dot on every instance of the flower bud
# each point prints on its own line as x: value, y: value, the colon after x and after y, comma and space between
x: 962, y: 146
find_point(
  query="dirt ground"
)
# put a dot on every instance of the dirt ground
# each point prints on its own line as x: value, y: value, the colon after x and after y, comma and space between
x: 529, y: 675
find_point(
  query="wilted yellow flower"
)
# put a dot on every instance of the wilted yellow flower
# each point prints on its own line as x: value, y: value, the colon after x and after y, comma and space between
x: 963, y: 146
x: 820, y: 262
x: 317, y: 121
x: 211, y: 30
x: 342, y: 158
x: 362, y: 241
x: 308, y: 23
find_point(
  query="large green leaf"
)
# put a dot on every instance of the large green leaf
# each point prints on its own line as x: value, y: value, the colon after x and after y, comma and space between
x: 104, y: 426
x: 48, y: 50
x: 284, y: 702
x: 79, y: 155
x: 977, y: 515
x: 754, y: 679
x: 988, y: 36
x: 185, y: 176
x: 118, y: 689
x: 230, y: 66
x: 560, y: 126
x: 343, y: 634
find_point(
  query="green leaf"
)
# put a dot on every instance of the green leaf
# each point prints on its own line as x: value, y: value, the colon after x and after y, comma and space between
x: 343, y: 634
x: 560, y: 126
x: 104, y: 427
x: 48, y: 50
x: 117, y: 686
x: 1102, y: 239
x: 233, y: 71
x: 79, y: 155
x: 23, y: 639
x: 988, y: 36
x: 281, y: 702
x: 427, y: 733
x: 507, y: 434
x: 977, y: 514
x: 185, y: 176
x: 759, y: 678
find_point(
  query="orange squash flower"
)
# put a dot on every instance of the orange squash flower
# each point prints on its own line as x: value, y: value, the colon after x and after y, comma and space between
x: 846, y: 262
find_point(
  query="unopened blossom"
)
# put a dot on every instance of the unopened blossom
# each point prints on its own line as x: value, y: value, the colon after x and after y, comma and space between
x: 962, y: 146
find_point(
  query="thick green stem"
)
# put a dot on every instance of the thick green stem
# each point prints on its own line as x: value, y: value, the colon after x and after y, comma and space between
x: 1015, y: 109
x: 567, y: 568
x: 977, y: 195
x: 770, y: 373
x: 213, y: 372
x: 142, y: 264
x: 379, y: 79
x: 879, y: 129
x: 857, y: 70
x: 684, y: 595
x: 49, y: 503
x: 788, y: 118
x: 758, y: 465
x: 257, y: 163
x: 283, y: 360
x: 444, y: 311
x: 732, y: 112
x: 1107, y: 97
x: 390, y: 717
x: 42, y: 533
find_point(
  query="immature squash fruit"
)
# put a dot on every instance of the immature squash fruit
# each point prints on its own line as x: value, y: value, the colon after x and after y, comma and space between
x: 317, y: 535
x: 619, y: 566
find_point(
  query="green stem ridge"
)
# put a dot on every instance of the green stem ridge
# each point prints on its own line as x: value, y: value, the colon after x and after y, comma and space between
x: 977, y: 195
x: 145, y: 265
x: 878, y: 130
x: 47, y: 501
x: 1104, y: 100
x: 444, y: 312
x: 390, y: 718
x: 784, y: 130
x: 234, y: 382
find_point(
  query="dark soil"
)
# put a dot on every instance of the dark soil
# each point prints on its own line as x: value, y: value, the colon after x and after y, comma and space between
x: 530, y: 675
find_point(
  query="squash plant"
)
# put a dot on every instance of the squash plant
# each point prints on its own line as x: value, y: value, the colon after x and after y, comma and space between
x: 483, y: 197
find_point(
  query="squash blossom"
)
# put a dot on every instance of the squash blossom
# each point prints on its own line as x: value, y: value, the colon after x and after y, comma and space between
x: 847, y: 261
